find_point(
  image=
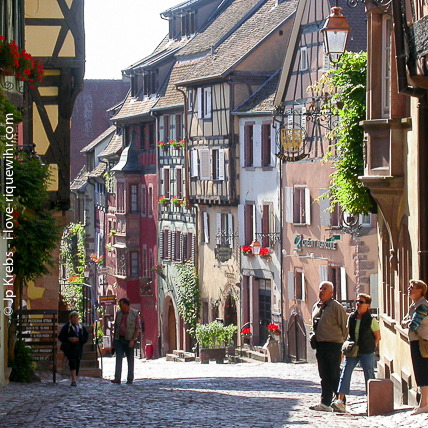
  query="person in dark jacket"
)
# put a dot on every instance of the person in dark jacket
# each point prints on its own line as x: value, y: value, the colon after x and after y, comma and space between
x: 364, y: 331
x: 73, y: 336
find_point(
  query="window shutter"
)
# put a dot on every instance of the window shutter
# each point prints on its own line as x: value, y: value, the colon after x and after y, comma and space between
x: 218, y: 228
x: 206, y: 228
x: 303, y: 288
x: 323, y: 273
x: 325, y: 208
x: 230, y: 229
x: 205, y: 170
x: 307, y: 206
x: 161, y: 238
x: 161, y: 130
x: 220, y: 164
x: 241, y: 224
x: 207, y: 112
x: 193, y: 253
x: 343, y: 288
x: 288, y: 200
x: 290, y: 285
x: 374, y: 290
x: 254, y: 208
x: 200, y: 104
x: 194, y: 162
x: 172, y: 130
x: 273, y: 147
x: 182, y: 238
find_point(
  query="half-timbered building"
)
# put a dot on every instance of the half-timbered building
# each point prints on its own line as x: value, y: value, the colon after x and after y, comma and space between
x: 231, y: 59
x: 314, y: 245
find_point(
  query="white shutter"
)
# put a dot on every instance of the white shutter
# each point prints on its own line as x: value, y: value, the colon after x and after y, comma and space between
x: 325, y: 208
x: 288, y: 200
x: 194, y: 162
x: 200, y: 103
x: 218, y: 228
x: 230, y: 229
x: 374, y: 290
x: 323, y: 273
x: 254, y: 208
x: 307, y: 206
x: 172, y: 130
x: 241, y: 224
x: 205, y: 165
x: 207, y: 105
x: 258, y: 209
x: 273, y: 148
x: 303, y: 288
x: 220, y: 164
x: 290, y: 285
x: 206, y: 228
x: 343, y: 288
x: 161, y: 131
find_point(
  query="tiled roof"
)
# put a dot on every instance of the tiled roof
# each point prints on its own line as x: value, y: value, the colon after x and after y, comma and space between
x: 242, y: 41
x: 99, y: 170
x: 134, y: 106
x: 80, y: 180
x: 113, y: 147
x: 172, y: 97
x: 262, y: 100
x: 219, y: 28
x: 101, y: 137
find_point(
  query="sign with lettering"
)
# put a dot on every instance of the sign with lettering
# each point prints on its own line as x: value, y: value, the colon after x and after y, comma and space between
x: 223, y: 253
x: 108, y: 300
x: 300, y: 242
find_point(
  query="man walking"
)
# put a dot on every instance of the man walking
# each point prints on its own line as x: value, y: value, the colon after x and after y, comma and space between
x: 126, y: 331
x: 329, y: 325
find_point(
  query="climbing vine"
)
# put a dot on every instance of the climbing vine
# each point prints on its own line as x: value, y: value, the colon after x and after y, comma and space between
x: 348, y: 83
x: 188, y: 295
x: 73, y: 258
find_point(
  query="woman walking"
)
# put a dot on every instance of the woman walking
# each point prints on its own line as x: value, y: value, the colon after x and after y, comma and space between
x: 364, y: 331
x: 417, y: 322
x: 73, y: 336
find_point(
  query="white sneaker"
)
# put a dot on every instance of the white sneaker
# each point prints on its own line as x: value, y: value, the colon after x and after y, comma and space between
x: 339, y: 406
x: 321, y: 408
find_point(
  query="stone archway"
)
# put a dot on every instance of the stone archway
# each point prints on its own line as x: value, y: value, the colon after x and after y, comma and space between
x: 170, y: 326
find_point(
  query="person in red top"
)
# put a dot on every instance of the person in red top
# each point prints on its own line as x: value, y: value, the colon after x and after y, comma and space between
x: 126, y: 331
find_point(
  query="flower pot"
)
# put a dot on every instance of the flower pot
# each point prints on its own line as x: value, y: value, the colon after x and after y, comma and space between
x: 207, y: 354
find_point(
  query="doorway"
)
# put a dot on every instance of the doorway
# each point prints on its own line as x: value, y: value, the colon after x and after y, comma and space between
x: 264, y: 309
x: 296, y: 333
x: 172, y: 329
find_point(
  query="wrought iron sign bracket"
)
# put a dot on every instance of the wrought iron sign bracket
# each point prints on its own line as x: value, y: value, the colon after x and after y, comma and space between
x: 274, y: 237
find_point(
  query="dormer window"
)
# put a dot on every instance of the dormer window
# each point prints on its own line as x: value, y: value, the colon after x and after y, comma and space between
x: 188, y: 24
x: 151, y: 82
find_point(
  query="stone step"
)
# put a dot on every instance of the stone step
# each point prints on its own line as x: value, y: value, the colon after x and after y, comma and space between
x: 252, y: 354
x: 182, y: 357
x: 236, y: 359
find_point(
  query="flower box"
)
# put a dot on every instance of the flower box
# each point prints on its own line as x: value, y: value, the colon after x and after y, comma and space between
x: 246, y: 250
x: 207, y: 354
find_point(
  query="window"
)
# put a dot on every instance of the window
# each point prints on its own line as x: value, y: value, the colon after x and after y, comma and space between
x: 386, y: 64
x: 204, y: 103
x: 151, y: 263
x: 133, y: 202
x: 337, y: 275
x: 143, y: 201
x: 166, y: 134
x: 189, y: 246
x: 249, y: 223
x: 299, y: 285
x: 205, y: 225
x: 150, y: 82
x: 365, y: 220
x: 248, y: 155
x: 267, y: 224
x: 266, y: 145
x: 166, y: 183
x: 205, y: 165
x: 188, y: 23
x: 144, y: 265
x: 165, y: 243
x: 178, y: 127
x: 190, y: 100
x: 135, y: 268
x: 121, y: 262
x: 336, y: 216
x: 218, y: 164
x: 179, y: 182
x: 297, y: 202
x: 194, y: 163
x: 150, y: 202
x: 120, y: 198
x: 304, y: 59
x: 177, y: 246
x: 225, y: 229
x: 152, y: 136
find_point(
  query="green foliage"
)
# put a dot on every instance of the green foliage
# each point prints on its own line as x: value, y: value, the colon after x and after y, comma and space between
x: 348, y: 83
x: 23, y: 365
x: 74, y: 260
x: 215, y: 335
x: 8, y: 112
x: 188, y: 295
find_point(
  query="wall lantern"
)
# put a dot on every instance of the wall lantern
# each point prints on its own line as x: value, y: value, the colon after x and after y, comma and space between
x: 256, y: 247
x: 336, y: 34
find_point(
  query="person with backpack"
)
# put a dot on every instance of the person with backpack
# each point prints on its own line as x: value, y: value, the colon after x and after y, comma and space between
x: 73, y: 336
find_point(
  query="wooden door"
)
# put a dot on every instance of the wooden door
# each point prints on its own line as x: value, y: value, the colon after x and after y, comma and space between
x: 296, y: 333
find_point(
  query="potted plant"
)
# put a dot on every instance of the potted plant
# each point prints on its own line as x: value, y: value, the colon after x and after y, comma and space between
x: 174, y: 143
x: 182, y: 143
x: 163, y: 201
x: 213, y: 339
x: 274, y: 330
x: 98, y: 260
x: 176, y: 201
x: 264, y: 253
x: 162, y: 145
x: 246, y: 250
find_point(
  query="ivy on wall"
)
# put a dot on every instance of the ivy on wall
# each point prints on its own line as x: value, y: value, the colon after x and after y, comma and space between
x: 73, y: 258
x: 188, y: 295
x: 348, y: 84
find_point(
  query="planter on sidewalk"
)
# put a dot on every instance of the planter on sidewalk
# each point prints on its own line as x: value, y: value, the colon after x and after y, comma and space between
x: 207, y: 354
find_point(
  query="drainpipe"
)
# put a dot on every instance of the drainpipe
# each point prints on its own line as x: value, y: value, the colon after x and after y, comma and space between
x: 405, y: 89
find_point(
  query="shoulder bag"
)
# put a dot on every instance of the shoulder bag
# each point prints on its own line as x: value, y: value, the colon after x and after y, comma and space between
x: 350, y: 349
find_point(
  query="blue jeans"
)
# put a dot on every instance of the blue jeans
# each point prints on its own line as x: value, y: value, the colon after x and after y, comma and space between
x: 367, y: 363
x: 122, y: 348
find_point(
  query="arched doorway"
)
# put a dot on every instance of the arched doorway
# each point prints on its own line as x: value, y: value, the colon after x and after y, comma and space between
x: 296, y: 333
x: 172, y: 329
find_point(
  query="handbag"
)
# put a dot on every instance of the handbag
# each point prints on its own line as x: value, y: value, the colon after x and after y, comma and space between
x: 313, y: 340
x: 350, y: 349
x: 423, y: 347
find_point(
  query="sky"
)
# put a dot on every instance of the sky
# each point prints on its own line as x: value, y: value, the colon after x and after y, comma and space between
x: 119, y: 33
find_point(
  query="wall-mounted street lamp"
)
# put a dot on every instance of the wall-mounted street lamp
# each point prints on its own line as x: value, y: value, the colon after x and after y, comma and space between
x: 256, y: 247
x: 336, y: 34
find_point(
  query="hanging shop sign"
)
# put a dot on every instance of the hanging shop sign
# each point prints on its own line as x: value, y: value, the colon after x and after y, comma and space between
x: 300, y: 242
x: 108, y: 300
x: 223, y: 253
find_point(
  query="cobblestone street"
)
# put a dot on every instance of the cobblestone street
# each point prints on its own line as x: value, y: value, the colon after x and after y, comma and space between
x: 167, y: 394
